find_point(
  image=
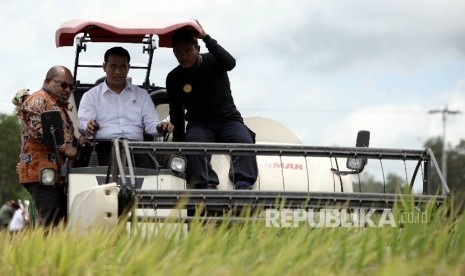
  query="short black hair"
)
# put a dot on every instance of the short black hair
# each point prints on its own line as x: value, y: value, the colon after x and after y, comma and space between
x: 117, y: 51
x: 184, y: 36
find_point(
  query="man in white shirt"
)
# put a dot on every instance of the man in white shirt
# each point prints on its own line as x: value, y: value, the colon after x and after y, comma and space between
x: 118, y: 109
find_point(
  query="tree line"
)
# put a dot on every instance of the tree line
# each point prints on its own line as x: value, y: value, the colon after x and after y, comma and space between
x: 10, y: 144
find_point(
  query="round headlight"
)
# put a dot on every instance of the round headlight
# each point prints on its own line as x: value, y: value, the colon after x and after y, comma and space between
x: 47, y: 176
x: 177, y: 164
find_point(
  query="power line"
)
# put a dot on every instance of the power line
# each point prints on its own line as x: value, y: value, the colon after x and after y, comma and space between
x: 445, y: 112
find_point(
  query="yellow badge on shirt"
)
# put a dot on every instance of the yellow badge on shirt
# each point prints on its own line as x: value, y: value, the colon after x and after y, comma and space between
x: 187, y: 88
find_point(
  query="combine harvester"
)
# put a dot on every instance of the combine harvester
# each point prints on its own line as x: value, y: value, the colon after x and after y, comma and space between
x: 291, y: 175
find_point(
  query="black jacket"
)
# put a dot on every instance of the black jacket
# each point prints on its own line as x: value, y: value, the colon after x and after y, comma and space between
x: 202, y: 92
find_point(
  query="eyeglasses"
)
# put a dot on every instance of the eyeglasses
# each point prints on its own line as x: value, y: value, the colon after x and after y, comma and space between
x: 64, y: 84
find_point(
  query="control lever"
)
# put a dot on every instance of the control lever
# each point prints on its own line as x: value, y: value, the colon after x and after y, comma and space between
x: 93, y: 160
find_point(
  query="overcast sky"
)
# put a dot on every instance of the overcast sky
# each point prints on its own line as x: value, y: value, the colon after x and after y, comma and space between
x: 324, y: 68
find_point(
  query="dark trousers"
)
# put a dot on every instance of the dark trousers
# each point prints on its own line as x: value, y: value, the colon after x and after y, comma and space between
x: 103, y: 149
x: 199, y: 171
x: 50, y: 202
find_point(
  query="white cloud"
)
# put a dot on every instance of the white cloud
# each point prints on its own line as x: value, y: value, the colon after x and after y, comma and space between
x: 324, y: 68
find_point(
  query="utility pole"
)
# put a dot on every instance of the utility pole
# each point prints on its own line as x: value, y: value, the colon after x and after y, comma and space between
x: 444, y: 112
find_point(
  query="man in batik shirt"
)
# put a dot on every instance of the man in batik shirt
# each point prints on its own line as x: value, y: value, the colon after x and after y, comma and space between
x: 50, y: 200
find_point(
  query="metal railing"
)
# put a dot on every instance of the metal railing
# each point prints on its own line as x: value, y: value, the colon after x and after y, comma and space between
x: 223, y: 200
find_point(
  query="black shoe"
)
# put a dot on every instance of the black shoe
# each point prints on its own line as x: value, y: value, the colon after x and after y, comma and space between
x: 242, y: 185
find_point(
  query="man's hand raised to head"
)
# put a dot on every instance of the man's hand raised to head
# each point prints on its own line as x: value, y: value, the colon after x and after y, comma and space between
x: 202, y: 34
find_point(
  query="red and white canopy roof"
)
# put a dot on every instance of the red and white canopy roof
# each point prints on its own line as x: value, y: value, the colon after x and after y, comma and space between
x: 121, y: 30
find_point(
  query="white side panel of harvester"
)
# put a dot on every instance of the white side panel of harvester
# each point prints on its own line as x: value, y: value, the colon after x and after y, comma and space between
x: 94, y: 207
x: 79, y: 182
x: 89, y: 203
x: 286, y: 173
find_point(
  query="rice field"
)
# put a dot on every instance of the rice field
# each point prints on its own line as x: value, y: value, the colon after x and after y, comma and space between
x: 432, y: 247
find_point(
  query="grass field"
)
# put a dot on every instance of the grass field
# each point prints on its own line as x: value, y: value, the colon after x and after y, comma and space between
x: 435, y: 247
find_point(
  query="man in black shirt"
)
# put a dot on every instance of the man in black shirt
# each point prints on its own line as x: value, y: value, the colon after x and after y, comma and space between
x: 200, y: 93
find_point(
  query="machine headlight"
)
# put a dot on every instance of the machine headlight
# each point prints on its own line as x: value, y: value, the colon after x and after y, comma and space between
x: 177, y: 163
x: 47, y: 176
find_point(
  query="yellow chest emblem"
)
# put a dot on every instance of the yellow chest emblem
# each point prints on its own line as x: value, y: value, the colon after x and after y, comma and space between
x: 187, y: 88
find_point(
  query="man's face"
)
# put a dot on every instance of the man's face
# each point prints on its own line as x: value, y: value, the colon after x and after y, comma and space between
x: 116, y: 69
x: 186, y: 54
x: 61, y: 86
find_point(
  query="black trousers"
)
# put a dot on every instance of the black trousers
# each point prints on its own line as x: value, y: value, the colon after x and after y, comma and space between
x: 243, y: 167
x: 50, y: 202
x: 103, y: 149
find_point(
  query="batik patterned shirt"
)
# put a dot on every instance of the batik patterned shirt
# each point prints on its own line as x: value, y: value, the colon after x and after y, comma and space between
x: 35, y: 155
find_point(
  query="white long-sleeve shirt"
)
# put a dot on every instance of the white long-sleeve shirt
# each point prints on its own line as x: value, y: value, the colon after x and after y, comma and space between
x: 123, y: 115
